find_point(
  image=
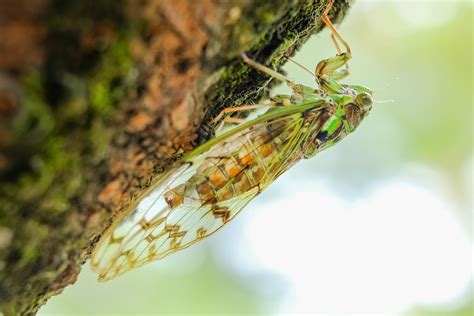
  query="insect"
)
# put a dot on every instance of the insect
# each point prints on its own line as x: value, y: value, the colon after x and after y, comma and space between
x: 208, y: 187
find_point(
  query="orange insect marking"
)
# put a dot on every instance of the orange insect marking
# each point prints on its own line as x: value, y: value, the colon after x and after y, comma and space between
x: 173, y: 198
x: 244, y: 184
x: 266, y: 150
x: 225, y: 194
x: 205, y: 191
x: 233, y: 170
x: 246, y: 160
x: 216, y: 179
x: 257, y: 173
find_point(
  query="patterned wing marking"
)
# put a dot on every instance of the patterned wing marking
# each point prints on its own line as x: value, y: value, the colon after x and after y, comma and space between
x: 171, y: 230
x: 137, y: 219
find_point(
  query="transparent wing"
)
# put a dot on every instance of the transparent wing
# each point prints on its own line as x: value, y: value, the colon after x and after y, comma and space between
x: 152, y: 230
x: 120, y: 239
x: 170, y: 231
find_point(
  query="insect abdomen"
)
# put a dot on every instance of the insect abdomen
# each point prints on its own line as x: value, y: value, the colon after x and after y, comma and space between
x: 235, y: 172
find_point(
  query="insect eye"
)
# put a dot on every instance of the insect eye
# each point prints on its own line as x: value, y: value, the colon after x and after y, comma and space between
x: 364, y: 100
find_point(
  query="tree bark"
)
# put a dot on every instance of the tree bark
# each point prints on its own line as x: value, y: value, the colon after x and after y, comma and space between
x: 98, y: 97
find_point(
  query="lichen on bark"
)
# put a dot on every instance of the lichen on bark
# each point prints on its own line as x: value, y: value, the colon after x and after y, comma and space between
x: 108, y: 95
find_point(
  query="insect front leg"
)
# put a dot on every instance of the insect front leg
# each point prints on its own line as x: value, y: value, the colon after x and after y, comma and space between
x: 331, y: 67
x: 226, y: 122
x: 344, y: 72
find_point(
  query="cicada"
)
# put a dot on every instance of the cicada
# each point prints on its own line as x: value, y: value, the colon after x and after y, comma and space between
x: 208, y: 187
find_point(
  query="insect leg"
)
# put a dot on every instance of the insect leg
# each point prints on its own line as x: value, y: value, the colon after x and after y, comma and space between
x: 228, y: 110
x: 228, y: 120
x: 268, y: 71
x: 328, y: 69
x: 331, y: 27
x: 339, y: 73
x: 233, y: 120
x: 334, y: 40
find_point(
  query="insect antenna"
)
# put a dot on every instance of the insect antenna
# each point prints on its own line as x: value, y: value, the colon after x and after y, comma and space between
x: 384, y: 101
x: 388, y: 85
x: 383, y: 89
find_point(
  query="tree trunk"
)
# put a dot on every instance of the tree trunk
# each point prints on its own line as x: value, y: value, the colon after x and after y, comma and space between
x: 98, y: 97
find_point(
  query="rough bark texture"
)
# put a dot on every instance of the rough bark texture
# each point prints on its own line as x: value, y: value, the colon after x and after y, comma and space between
x: 98, y: 97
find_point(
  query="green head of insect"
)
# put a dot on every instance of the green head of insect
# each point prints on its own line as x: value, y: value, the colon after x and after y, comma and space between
x: 358, y: 107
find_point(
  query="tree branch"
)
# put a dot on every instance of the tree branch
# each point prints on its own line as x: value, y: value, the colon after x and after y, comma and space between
x: 97, y: 98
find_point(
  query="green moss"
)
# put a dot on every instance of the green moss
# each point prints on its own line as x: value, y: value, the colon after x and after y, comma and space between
x: 51, y: 147
x: 108, y: 87
x: 48, y: 157
x: 56, y: 140
x: 60, y: 137
x: 37, y: 234
x: 35, y: 116
x: 116, y: 62
x: 265, y: 13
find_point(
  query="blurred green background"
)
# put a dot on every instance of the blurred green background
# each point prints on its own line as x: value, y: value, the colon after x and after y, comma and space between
x: 381, y: 223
